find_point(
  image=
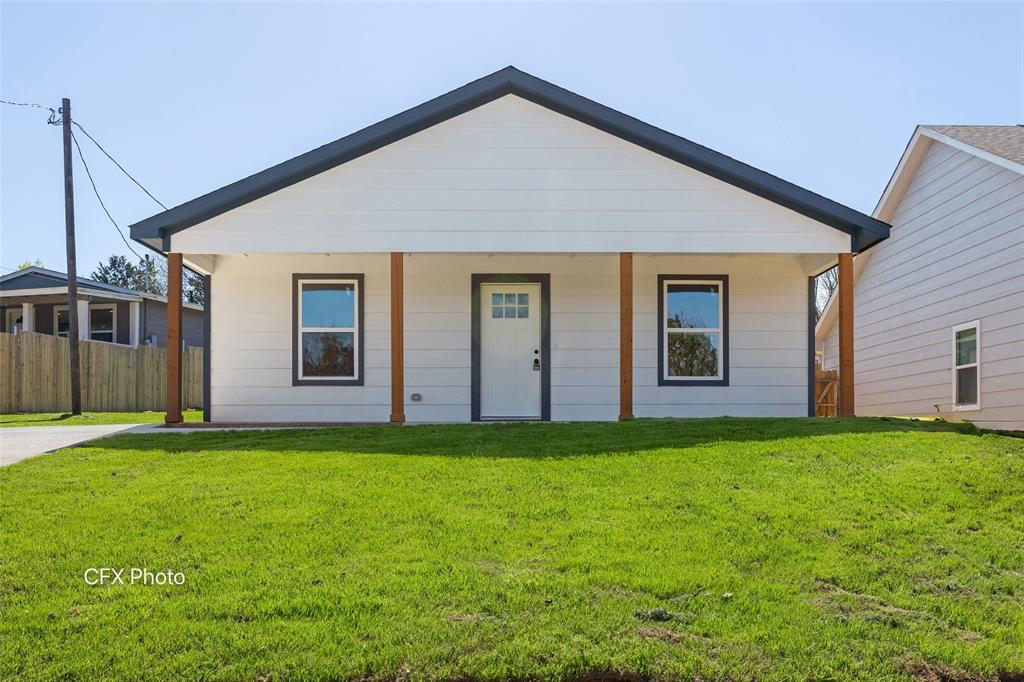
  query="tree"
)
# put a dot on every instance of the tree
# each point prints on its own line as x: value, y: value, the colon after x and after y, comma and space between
x: 825, y: 285
x: 37, y: 263
x: 149, y: 275
x: 118, y: 270
x: 192, y: 290
x: 144, y: 276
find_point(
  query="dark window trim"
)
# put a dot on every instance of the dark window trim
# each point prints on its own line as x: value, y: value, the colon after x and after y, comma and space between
x: 360, y: 332
x: 545, y: 335
x: 724, y: 381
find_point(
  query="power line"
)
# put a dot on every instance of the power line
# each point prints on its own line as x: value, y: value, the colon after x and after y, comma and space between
x: 100, y: 199
x: 54, y: 119
x: 148, y: 193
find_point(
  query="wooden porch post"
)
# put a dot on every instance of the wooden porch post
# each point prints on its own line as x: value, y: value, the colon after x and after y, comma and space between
x: 173, y: 339
x: 846, y: 389
x: 397, y: 338
x: 625, y: 336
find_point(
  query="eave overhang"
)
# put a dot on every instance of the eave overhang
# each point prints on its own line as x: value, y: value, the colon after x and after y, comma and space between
x: 864, y: 231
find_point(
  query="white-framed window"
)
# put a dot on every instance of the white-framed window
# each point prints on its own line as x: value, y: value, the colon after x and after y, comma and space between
x: 327, y: 322
x: 14, y: 322
x: 102, y: 322
x: 61, y: 322
x: 967, y: 366
x: 693, y: 328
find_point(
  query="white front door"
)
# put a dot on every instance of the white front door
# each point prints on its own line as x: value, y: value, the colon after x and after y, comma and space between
x: 510, y: 348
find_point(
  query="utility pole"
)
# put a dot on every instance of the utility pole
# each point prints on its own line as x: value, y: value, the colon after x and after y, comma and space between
x: 69, y: 227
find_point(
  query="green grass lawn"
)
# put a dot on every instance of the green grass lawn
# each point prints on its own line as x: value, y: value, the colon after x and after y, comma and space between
x: 91, y: 418
x: 721, y: 549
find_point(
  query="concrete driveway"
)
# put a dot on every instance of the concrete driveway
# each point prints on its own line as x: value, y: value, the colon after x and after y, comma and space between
x: 22, y: 442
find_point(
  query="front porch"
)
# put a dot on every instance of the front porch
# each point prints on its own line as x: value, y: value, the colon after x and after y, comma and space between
x: 114, y: 319
x: 419, y: 336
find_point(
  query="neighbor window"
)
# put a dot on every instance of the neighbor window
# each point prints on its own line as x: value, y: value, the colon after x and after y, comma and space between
x: 967, y: 366
x: 15, y: 323
x: 693, y: 330
x: 60, y: 322
x: 327, y: 322
x: 102, y: 322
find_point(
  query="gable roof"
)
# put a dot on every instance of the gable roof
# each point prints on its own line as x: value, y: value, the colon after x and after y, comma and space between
x: 864, y: 230
x: 1004, y: 141
x: 1002, y: 145
x: 43, y: 278
x: 36, y: 277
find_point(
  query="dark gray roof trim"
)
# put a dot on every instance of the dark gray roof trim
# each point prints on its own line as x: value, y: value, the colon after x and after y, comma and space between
x: 39, y: 278
x: 864, y: 230
x: 43, y: 278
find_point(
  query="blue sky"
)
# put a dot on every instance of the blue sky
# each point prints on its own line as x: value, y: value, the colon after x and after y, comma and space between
x: 190, y: 97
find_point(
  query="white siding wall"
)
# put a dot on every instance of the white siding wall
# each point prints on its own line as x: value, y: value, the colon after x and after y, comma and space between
x: 251, y: 342
x: 956, y: 254
x: 511, y: 176
x: 252, y: 317
x: 584, y: 332
x: 768, y: 354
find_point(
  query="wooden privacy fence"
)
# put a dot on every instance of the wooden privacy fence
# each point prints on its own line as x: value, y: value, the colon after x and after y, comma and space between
x: 826, y: 392
x: 36, y: 376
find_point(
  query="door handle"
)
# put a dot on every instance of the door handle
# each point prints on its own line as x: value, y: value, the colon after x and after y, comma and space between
x: 536, y: 364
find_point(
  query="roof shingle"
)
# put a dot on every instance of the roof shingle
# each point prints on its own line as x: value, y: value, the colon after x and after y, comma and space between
x: 1004, y: 141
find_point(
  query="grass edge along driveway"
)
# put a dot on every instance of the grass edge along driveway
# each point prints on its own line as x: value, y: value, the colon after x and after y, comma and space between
x: 713, y: 549
x: 17, y: 419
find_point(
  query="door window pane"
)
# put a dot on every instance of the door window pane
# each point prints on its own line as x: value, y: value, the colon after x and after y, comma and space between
x: 328, y: 305
x: 693, y: 306
x: 693, y: 355
x: 967, y: 386
x: 510, y: 306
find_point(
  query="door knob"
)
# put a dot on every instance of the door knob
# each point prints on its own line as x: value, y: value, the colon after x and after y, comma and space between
x: 536, y: 364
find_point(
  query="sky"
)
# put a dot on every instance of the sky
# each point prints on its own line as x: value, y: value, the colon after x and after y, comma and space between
x: 189, y: 97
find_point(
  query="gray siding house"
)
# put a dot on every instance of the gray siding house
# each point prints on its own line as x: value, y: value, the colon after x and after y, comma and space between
x: 939, y: 316
x: 36, y: 299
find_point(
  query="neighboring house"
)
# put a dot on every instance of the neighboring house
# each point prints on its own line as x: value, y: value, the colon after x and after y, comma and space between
x: 939, y: 313
x: 36, y: 299
x: 509, y: 250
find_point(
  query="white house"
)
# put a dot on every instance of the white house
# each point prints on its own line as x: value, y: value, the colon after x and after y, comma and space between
x: 509, y: 250
x: 939, y: 321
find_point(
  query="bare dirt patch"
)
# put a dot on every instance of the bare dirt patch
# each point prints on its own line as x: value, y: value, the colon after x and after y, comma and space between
x: 924, y: 671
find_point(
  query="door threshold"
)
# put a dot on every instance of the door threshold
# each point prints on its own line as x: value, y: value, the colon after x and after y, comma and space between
x: 510, y: 419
